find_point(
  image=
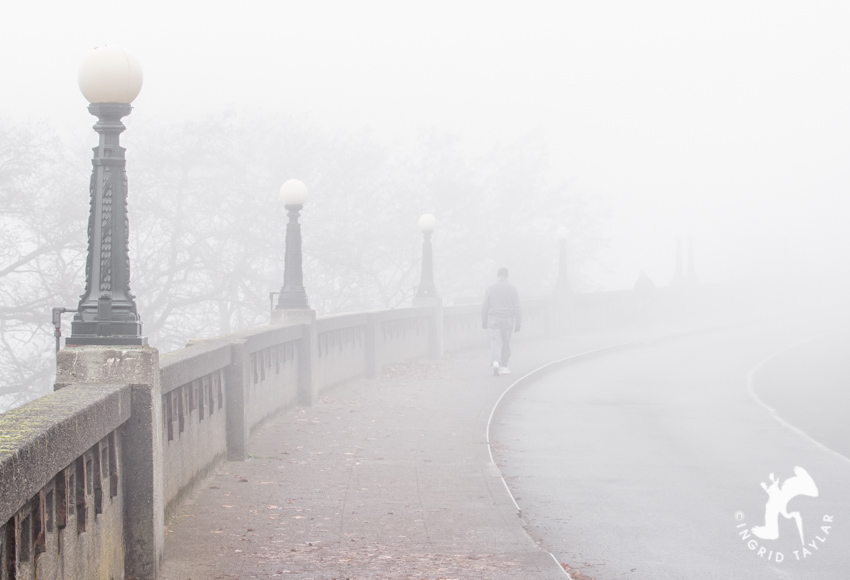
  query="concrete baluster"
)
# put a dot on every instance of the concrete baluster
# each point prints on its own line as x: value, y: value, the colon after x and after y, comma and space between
x: 137, y: 366
x: 374, y: 345
x: 237, y: 381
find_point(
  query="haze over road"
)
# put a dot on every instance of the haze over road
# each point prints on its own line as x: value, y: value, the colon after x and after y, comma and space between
x: 648, y: 463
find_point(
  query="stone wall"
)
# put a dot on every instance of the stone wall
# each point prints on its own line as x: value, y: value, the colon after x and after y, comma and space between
x: 341, y: 348
x: 398, y: 335
x: 194, y: 411
x: 214, y: 392
x: 62, y: 485
x: 172, y: 420
x: 462, y: 328
x: 272, y: 358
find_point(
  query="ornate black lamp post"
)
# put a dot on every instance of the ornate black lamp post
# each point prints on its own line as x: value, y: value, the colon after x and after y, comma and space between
x: 110, y: 78
x: 562, y: 285
x: 426, y: 288
x: 293, y: 193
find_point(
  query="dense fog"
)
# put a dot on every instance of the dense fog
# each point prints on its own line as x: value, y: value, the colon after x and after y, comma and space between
x: 671, y: 178
x: 631, y: 125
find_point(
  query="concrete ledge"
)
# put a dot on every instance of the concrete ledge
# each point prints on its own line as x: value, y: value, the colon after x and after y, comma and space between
x: 187, y: 364
x: 259, y: 339
x: 340, y: 322
x: 43, y: 437
x: 401, y: 313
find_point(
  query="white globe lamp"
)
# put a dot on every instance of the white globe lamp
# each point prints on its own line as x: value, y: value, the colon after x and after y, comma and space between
x: 427, y: 223
x: 110, y: 74
x: 293, y: 192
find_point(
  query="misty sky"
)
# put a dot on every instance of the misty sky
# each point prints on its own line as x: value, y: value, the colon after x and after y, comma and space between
x: 727, y: 120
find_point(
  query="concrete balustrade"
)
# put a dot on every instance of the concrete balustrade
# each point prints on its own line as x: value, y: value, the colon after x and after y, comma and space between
x: 194, y: 416
x: 341, y: 348
x: 89, y: 473
x: 536, y: 317
x: 214, y: 393
x: 396, y: 335
x: 462, y: 327
x: 271, y: 357
x: 62, y: 484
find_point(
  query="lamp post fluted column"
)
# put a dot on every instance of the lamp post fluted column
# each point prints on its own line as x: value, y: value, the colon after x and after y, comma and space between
x: 427, y: 288
x: 106, y: 314
x: 292, y: 306
x: 426, y: 292
x: 293, y: 193
x: 292, y: 293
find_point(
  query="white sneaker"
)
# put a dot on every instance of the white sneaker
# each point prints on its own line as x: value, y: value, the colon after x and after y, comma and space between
x: 496, y: 368
x: 504, y: 371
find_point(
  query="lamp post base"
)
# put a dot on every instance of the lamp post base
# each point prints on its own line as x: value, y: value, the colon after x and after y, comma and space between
x: 104, y: 333
x: 106, y: 341
x: 292, y: 299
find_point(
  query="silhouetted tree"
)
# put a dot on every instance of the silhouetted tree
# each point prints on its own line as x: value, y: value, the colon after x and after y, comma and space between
x: 207, y: 230
x: 41, y: 255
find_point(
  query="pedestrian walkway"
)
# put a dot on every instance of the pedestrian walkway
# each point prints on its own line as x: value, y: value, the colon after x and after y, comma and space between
x: 388, y: 478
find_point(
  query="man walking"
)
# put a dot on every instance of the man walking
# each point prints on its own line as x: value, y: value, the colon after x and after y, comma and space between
x: 501, y: 315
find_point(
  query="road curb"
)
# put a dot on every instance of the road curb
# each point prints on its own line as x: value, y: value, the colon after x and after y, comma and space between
x: 539, y: 371
x: 587, y: 355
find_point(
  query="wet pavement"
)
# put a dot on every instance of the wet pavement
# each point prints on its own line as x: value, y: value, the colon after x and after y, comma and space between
x: 392, y: 479
x: 647, y: 464
x: 388, y: 478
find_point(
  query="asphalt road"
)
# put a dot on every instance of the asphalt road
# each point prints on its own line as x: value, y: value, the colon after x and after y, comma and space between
x: 647, y: 464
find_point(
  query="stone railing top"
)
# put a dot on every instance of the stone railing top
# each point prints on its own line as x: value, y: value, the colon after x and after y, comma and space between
x: 350, y: 320
x: 465, y: 309
x: 256, y: 338
x: 339, y: 321
x: 46, y: 435
x: 402, y: 313
x: 461, y: 309
x: 196, y: 360
x: 259, y: 338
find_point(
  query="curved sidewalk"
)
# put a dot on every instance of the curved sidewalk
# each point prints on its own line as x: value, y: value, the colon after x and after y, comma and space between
x: 388, y: 478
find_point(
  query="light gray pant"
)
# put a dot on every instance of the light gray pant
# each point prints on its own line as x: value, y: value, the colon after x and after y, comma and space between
x: 500, y: 329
